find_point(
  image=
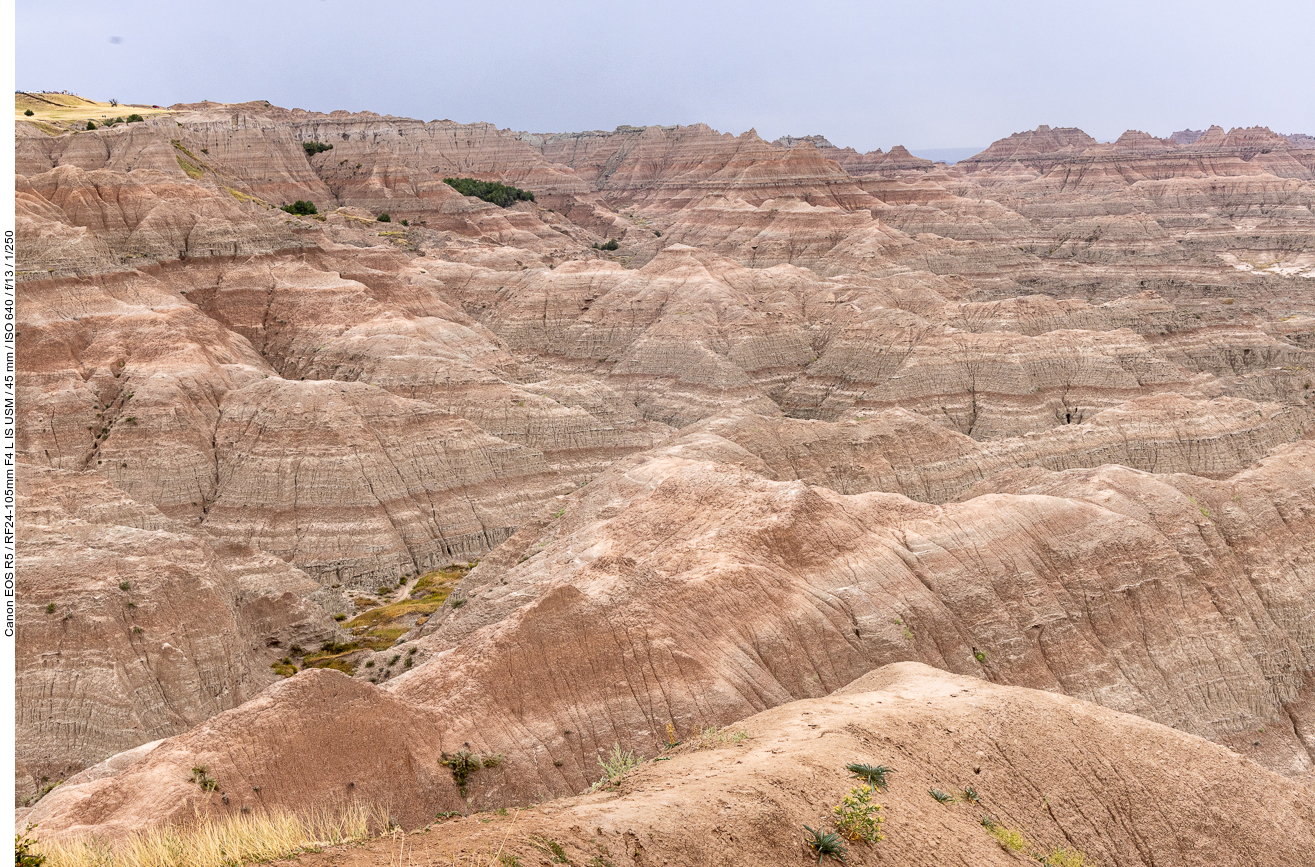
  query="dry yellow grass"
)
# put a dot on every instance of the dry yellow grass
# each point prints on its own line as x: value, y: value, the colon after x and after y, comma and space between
x: 222, y: 842
x: 63, y: 109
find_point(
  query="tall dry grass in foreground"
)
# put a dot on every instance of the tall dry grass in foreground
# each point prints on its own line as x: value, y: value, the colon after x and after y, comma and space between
x: 221, y: 842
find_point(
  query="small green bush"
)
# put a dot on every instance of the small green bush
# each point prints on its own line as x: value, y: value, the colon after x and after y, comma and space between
x: 941, y: 797
x: 23, y: 854
x: 618, y: 764
x: 384, y: 218
x: 201, y: 776
x: 301, y: 207
x: 857, y: 817
x: 91, y: 125
x: 135, y: 118
x: 124, y: 585
x: 490, y: 191
x: 315, y: 147
x: 50, y: 608
x: 613, y: 244
x: 405, y: 223
x: 29, y: 113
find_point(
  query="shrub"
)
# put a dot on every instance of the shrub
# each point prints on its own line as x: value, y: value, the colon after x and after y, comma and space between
x: 301, y: 207
x: 384, y: 218
x: 490, y: 191
x: 201, y: 776
x: 135, y: 118
x: 463, y: 763
x: 50, y: 608
x: 941, y: 797
x: 610, y: 245
x: 315, y: 147
x: 825, y: 843
x: 405, y: 223
x: 23, y: 854
x: 970, y: 795
x: 124, y: 585
x: 617, y: 764
x: 91, y: 125
x: 857, y: 818
x: 874, y: 774
x: 29, y: 113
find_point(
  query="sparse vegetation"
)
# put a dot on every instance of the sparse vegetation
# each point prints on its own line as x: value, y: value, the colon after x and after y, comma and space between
x: 825, y: 843
x: 315, y: 147
x: 384, y: 218
x: 551, y: 848
x: 616, y: 765
x: 301, y: 207
x: 1010, y: 838
x: 970, y: 795
x: 857, y: 817
x: 610, y: 245
x: 135, y: 118
x: 1066, y: 857
x: 23, y: 854
x: 874, y: 774
x: 941, y: 797
x: 490, y: 191
x: 50, y: 608
x: 201, y: 776
x: 125, y: 586
x: 463, y: 763
x: 236, y: 839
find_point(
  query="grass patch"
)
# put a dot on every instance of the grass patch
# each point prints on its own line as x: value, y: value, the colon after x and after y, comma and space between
x: 243, y: 197
x: 379, y: 627
x: 1010, y: 838
x: 187, y: 161
x: 1066, y: 857
x: 65, y: 108
x: 243, y: 838
x: 284, y: 669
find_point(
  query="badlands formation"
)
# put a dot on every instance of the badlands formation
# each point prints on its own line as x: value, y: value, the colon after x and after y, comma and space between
x: 1001, y: 472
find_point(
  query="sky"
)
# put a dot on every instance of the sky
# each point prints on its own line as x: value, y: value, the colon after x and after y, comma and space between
x: 865, y: 74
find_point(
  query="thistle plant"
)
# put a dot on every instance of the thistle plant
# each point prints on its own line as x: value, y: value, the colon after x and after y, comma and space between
x: 825, y: 843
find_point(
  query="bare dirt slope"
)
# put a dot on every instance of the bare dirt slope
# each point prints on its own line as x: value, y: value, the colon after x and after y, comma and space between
x: 1064, y: 773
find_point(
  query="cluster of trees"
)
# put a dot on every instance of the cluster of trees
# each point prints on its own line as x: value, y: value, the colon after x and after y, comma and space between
x: 490, y: 191
x: 301, y: 207
x: 132, y: 118
x: 315, y: 147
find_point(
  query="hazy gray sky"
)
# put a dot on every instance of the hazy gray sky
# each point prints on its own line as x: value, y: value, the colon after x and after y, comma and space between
x: 867, y: 74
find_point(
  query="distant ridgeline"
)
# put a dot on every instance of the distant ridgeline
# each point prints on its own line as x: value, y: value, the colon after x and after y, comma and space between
x: 490, y: 191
